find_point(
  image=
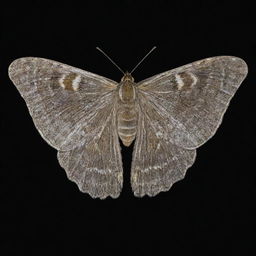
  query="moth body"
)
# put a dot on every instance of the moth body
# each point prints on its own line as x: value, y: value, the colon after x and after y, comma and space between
x: 83, y: 115
x: 126, y: 114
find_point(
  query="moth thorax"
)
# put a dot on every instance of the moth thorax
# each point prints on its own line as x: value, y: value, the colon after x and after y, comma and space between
x: 127, y: 91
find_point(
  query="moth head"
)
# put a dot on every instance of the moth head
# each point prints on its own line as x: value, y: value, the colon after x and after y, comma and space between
x: 127, y: 77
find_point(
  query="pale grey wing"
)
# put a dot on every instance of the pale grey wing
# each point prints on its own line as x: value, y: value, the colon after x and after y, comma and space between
x: 187, y: 104
x: 97, y: 167
x: 69, y: 106
x: 157, y: 163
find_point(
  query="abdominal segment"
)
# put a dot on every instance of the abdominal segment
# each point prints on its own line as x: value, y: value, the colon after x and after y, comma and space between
x: 127, y: 124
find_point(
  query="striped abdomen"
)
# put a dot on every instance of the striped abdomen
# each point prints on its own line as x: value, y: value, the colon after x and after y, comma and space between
x: 126, y: 115
x: 127, y: 124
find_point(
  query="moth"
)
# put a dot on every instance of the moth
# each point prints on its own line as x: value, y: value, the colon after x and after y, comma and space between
x: 169, y: 115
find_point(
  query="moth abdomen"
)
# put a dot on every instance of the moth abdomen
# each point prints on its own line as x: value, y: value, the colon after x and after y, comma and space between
x: 127, y: 115
x: 127, y: 124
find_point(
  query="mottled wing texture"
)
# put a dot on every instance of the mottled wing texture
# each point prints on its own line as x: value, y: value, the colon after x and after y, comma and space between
x: 97, y: 168
x: 69, y: 106
x: 71, y: 109
x: 180, y: 110
x: 157, y: 163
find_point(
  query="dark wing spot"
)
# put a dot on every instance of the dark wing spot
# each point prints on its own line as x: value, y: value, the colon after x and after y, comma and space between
x: 68, y: 81
x: 188, y: 79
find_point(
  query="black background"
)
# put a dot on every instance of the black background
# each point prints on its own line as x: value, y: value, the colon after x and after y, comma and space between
x: 211, y: 211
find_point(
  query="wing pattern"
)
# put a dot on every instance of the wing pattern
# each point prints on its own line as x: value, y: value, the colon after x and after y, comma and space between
x: 64, y: 117
x: 96, y: 167
x: 157, y: 163
x: 179, y: 111
x: 74, y: 111
x: 193, y: 99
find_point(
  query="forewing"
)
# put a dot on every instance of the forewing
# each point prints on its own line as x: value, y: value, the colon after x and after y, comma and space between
x: 97, y: 167
x: 69, y: 106
x: 189, y: 102
x: 157, y: 163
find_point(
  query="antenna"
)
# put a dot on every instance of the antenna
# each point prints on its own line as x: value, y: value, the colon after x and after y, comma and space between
x: 143, y: 58
x: 110, y: 59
